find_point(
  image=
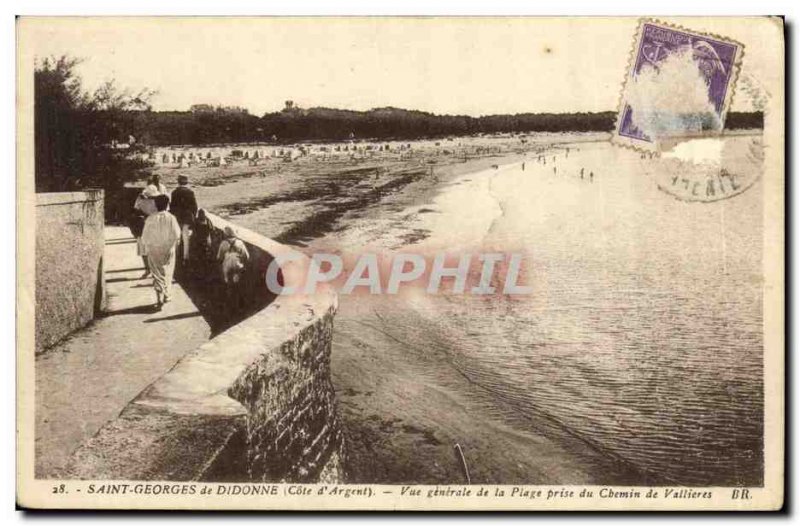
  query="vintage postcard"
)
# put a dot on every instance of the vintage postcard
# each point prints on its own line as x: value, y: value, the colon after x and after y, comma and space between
x: 411, y: 263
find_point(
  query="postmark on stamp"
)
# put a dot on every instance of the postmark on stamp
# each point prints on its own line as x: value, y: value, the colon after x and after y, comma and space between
x: 679, y: 84
x: 709, y: 169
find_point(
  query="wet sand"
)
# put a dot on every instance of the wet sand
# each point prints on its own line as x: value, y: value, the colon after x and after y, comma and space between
x: 405, y: 407
x: 404, y: 402
x: 417, y: 375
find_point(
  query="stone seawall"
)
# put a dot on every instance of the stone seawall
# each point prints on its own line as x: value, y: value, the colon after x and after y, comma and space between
x: 255, y: 403
x: 69, y: 263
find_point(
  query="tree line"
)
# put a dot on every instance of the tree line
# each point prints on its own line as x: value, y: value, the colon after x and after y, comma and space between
x: 85, y: 140
x: 224, y: 125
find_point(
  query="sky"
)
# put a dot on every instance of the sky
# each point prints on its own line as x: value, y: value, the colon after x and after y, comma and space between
x: 472, y: 66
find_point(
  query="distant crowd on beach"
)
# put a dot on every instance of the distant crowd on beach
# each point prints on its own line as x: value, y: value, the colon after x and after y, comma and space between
x: 541, y: 158
x: 254, y: 156
x: 171, y: 229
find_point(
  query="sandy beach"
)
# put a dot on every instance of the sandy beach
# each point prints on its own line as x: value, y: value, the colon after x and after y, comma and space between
x: 417, y: 376
x: 404, y: 412
x: 295, y: 202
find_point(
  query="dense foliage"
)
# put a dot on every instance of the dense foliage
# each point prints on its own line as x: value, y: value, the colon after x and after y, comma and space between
x: 207, y: 125
x: 81, y: 139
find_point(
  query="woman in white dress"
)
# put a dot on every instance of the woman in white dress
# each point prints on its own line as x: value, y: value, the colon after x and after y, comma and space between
x: 160, y: 236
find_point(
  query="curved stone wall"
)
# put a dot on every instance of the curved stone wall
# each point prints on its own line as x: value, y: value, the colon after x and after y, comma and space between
x: 254, y: 403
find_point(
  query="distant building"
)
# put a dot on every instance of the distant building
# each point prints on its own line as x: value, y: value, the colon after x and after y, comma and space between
x: 290, y: 108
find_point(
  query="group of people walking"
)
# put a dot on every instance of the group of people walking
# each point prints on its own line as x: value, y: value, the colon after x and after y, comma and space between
x: 170, y: 229
x: 541, y: 158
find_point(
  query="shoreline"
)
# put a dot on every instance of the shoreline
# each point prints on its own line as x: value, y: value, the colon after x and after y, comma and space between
x: 404, y: 408
x: 299, y: 202
x: 403, y: 386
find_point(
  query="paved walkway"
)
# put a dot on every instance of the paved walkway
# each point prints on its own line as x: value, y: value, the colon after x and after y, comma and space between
x: 88, y: 379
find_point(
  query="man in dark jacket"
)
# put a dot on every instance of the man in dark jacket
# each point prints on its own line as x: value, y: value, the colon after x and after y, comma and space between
x: 183, y: 206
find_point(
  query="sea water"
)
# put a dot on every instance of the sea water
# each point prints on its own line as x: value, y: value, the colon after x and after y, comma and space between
x: 643, y: 334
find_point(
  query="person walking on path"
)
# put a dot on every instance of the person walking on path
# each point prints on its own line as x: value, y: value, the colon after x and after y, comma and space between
x: 233, y: 257
x: 155, y: 187
x: 200, y: 245
x: 160, y: 235
x: 144, y: 207
x: 145, y: 201
x: 184, y: 207
x: 136, y: 224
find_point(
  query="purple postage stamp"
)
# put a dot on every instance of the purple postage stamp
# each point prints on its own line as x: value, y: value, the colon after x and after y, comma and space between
x: 679, y: 84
